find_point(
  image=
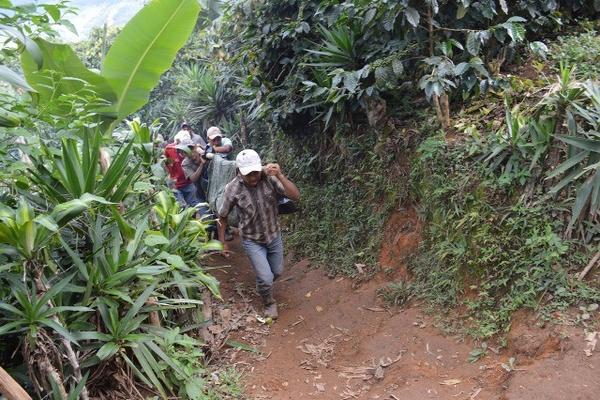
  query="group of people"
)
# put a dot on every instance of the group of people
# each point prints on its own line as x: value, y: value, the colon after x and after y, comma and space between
x: 186, y: 159
x: 253, y: 193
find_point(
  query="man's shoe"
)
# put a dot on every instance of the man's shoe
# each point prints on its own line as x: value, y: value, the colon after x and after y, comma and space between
x: 271, y: 311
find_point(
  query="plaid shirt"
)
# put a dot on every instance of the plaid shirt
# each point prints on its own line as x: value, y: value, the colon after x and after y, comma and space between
x: 256, y: 206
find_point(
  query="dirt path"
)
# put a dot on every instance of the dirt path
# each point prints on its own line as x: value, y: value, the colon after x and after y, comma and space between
x: 335, y: 340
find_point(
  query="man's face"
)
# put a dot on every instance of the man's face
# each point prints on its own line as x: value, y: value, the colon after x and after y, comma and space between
x: 252, y: 178
x: 216, y: 141
x: 196, y: 155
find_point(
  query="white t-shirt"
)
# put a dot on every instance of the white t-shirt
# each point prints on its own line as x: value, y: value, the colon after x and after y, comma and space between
x: 225, y: 142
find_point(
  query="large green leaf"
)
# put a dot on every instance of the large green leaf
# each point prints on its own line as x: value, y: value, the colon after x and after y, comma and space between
x: 568, y: 164
x: 30, y: 46
x: 583, y: 195
x: 145, y: 48
x: 69, y: 210
x: 108, y: 350
x: 61, y: 72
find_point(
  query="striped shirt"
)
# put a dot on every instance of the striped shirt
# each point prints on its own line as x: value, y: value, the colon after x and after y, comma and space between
x: 256, y: 207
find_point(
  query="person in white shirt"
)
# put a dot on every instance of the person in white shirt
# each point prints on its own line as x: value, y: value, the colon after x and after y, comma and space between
x: 220, y: 144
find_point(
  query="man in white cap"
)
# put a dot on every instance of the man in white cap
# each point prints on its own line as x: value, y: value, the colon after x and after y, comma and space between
x: 254, y: 194
x: 220, y: 144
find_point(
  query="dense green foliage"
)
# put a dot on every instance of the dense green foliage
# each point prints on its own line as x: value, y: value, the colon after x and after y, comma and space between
x: 94, y: 246
x: 502, y: 230
x: 329, y: 60
x: 486, y: 249
x: 581, y: 50
x: 345, y: 213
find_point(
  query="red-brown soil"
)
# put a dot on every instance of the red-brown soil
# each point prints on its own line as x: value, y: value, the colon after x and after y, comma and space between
x: 336, y: 340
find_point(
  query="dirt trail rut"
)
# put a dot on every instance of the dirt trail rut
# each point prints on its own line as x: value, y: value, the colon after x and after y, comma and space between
x: 335, y: 340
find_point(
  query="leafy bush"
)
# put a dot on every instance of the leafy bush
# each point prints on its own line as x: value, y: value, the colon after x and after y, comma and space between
x: 208, y: 98
x: 307, y: 61
x: 485, y: 250
x: 396, y: 293
x: 581, y: 50
x: 343, y: 215
x: 519, y: 147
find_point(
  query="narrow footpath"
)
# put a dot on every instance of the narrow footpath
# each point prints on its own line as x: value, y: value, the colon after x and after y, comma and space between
x: 335, y: 339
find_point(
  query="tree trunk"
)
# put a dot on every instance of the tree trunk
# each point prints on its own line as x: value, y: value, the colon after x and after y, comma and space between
x: 590, y: 265
x: 51, y: 373
x: 438, y: 110
x: 207, y: 317
x: 243, y: 131
x: 154, y: 318
x: 10, y: 388
x: 445, y: 105
x: 440, y: 103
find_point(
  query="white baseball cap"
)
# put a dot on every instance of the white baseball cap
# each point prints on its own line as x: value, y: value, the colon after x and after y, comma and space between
x: 248, y: 161
x: 213, y: 132
x: 182, y: 136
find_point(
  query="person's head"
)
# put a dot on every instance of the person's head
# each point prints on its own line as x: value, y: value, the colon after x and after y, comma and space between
x: 214, y: 135
x: 186, y: 127
x: 197, y: 152
x: 185, y: 148
x: 250, y: 167
x: 182, y: 136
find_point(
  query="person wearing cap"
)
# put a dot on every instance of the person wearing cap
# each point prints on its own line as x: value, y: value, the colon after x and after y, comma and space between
x: 221, y: 145
x: 184, y: 190
x: 193, y: 166
x: 187, y: 133
x: 254, y: 194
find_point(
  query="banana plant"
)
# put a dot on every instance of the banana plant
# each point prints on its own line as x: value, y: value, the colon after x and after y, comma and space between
x: 140, y: 54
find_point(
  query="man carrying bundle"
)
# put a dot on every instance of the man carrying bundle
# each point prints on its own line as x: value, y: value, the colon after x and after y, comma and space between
x: 254, y: 194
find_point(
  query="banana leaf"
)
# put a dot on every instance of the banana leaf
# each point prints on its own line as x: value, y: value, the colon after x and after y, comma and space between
x: 59, y: 61
x: 145, y: 49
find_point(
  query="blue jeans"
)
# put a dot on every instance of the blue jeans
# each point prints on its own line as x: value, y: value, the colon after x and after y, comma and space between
x: 188, y: 196
x: 267, y: 262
